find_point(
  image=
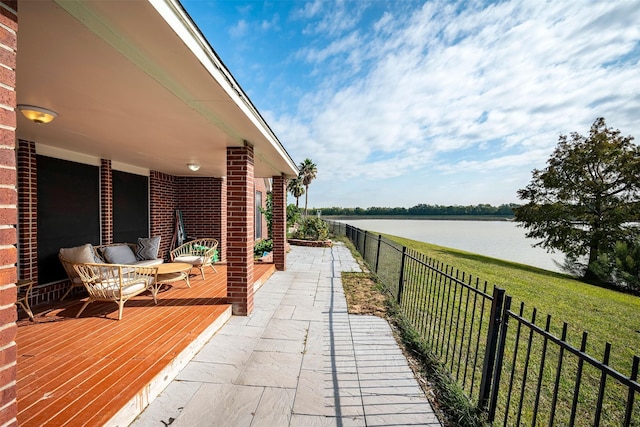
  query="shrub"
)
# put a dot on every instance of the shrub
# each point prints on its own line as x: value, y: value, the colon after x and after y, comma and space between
x: 293, y: 215
x: 262, y: 246
x: 312, y: 228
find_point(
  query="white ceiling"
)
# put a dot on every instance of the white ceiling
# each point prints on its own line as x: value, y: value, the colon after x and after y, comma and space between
x: 128, y: 88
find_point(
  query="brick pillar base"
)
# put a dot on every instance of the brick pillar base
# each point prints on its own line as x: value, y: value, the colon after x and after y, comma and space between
x: 279, y: 221
x: 240, y: 233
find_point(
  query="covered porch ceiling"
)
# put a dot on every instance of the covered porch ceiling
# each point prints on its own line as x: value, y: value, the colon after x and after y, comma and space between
x: 135, y: 82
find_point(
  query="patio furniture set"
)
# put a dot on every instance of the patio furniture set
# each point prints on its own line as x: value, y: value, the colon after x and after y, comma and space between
x: 118, y: 272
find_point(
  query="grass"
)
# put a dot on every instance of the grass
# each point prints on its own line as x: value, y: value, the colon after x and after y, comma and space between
x: 607, y: 316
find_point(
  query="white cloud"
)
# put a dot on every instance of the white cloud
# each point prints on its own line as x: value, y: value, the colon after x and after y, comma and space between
x: 272, y: 24
x: 239, y: 30
x: 503, y: 80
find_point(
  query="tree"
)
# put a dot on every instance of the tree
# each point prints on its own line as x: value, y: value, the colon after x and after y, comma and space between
x: 586, y: 198
x: 308, y: 171
x: 296, y: 188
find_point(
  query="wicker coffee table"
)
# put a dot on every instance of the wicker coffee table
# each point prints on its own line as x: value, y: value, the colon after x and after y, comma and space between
x: 170, y: 272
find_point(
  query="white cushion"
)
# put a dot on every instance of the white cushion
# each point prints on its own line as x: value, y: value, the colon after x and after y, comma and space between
x: 79, y: 254
x: 119, y: 254
x: 190, y: 259
x: 111, y: 288
x: 148, y: 262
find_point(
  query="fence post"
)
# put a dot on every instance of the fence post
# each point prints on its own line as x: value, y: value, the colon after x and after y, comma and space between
x: 499, y: 358
x: 364, y: 246
x: 401, y: 281
x: 490, y: 349
x: 378, y: 252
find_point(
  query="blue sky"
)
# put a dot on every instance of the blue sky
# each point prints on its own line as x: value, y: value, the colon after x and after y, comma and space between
x: 438, y: 102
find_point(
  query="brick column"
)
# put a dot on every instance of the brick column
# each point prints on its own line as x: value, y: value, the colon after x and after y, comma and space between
x: 106, y: 201
x: 27, y: 211
x: 279, y: 221
x: 240, y: 233
x: 220, y: 215
x: 8, y: 212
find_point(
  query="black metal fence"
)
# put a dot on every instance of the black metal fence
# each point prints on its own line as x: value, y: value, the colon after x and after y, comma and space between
x: 514, y: 368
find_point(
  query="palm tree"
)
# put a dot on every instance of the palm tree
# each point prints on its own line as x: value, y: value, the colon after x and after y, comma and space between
x: 308, y: 171
x: 295, y: 187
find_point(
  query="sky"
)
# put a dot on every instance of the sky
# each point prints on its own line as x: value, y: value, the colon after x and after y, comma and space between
x: 405, y: 102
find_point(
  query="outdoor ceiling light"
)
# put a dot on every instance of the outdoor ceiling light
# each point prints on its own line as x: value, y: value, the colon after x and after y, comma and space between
x: 37, y: 115
x: 193, y: 166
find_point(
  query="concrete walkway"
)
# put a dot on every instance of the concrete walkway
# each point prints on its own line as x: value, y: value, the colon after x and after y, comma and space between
x: 298, y: 360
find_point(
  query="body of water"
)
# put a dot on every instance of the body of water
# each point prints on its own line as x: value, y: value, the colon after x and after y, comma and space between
x: 497, y: 239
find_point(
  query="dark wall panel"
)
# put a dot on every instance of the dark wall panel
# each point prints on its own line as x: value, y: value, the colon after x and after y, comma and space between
x: 130, y: 207
x: 68, y: 211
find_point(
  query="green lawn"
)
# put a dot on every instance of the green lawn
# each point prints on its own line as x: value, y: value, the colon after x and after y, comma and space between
x: 606, y: 315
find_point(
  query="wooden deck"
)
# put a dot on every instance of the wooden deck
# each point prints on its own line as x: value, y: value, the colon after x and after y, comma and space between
x: 96, y: 369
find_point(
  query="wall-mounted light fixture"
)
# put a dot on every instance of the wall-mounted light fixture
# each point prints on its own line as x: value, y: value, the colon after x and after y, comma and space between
x: 37, y: 115
x: 193, y: 166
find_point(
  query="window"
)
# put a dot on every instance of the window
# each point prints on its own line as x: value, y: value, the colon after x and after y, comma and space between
x: 130, y: 206
x: 68, y: 211
x: 258, y: 215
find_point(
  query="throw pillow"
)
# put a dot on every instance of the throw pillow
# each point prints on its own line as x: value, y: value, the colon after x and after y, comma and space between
x: 79, y: 254
x: 148, y: 248
x: 119, y: 254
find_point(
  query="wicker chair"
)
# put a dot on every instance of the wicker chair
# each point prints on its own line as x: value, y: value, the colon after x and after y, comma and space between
x: 75, y: 280
x: 114, y: 282
x: 199, y: 253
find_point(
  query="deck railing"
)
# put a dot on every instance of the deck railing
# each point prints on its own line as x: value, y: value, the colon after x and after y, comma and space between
x: 510, y: 366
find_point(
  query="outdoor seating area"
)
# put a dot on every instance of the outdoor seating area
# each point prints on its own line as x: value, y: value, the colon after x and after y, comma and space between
x: 200, y: 253
x: 142, y: 254
x: 67, y: 364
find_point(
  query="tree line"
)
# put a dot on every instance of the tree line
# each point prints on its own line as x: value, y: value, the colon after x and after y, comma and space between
x: 504, y: 210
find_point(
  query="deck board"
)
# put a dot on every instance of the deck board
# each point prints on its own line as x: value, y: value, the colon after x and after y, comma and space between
x: 83, y: 371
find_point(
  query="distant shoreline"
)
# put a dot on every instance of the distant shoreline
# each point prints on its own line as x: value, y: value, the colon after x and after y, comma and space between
x: 422, y: 217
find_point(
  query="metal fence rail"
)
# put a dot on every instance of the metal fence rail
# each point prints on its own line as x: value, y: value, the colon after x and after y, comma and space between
x: 512, y: 367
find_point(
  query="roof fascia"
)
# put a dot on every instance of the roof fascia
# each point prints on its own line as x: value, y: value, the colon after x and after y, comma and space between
x: 178, y: 19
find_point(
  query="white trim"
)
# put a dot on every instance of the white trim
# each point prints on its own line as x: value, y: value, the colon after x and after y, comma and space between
x: 124, y: 167
x: 72, y: 156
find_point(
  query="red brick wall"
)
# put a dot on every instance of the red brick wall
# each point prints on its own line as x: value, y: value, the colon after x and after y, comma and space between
x: 164, y: 202
x: 279, y: 221
x: 8, y: 214
x: 27, y: 211
x: 240, y: 234
x: 200, y: 203
x: 106, y: 202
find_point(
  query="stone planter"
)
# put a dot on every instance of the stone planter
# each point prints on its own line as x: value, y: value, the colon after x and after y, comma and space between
x: 311, y: 243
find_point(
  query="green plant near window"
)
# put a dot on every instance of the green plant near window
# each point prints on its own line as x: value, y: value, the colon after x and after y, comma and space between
x: 312, y: 228
x: 262, y: 247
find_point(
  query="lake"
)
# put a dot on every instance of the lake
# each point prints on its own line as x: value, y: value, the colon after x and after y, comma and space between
x: 497, y: 239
